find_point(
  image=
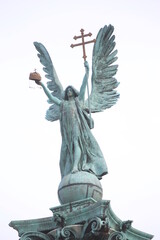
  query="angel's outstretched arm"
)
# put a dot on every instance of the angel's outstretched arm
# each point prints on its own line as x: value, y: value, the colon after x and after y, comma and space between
x: 84, y: 83
x: 49, y: 95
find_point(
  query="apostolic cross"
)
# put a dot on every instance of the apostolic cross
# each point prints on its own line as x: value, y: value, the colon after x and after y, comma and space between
x: 84, y: 56
x: 83, y: 42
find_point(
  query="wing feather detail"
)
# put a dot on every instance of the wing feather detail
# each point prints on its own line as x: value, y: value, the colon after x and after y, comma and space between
x: 54, y: 85
x: 103, y: 94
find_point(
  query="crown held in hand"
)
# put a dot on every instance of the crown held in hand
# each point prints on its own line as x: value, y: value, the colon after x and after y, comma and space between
x: 35, y: 76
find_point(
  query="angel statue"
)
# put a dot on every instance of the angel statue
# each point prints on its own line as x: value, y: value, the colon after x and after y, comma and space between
x: 80, y: 150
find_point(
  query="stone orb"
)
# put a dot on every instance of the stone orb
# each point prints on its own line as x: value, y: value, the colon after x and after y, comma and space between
x: 78, y: 186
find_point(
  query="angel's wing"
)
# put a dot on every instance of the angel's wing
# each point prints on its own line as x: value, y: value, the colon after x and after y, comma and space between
x: 103, y: 94
x: 53, y: 84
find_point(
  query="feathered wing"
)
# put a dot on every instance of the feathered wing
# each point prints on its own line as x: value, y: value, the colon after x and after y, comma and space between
x: 103, y: 94
x: 53, y: 84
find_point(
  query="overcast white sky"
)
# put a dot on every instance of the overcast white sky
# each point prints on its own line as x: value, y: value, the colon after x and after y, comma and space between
x: 128, y: 133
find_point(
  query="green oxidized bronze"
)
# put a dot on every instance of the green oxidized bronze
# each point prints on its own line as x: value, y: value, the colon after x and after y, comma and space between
x: 80, y: 150
x: 82, y: 215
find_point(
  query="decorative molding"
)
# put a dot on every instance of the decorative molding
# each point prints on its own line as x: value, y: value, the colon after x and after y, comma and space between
x: 83, y: 220
x: 33, y: 225
x: 125, y: 225
x: 35, y: 236
x: 117, y: 236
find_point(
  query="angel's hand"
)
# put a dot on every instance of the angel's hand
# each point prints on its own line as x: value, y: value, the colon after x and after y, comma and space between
x: 38, y: 82
x: 86, y: 66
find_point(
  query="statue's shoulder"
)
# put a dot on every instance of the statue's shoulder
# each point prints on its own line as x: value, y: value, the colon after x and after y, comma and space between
x: 62, y: 104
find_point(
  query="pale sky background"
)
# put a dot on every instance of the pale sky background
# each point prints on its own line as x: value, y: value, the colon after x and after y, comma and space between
x: 128, y: 133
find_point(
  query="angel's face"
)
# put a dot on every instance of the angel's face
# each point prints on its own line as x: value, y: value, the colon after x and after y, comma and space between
x: 70, y: 92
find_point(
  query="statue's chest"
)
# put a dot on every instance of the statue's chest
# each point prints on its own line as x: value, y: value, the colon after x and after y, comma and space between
x: 70, y: 110
x: 70, y: 120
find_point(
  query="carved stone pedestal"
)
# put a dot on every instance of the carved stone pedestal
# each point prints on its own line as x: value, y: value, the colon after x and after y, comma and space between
x: 84, y: 219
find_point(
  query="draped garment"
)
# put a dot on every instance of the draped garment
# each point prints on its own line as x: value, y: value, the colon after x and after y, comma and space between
x: 74, y: 128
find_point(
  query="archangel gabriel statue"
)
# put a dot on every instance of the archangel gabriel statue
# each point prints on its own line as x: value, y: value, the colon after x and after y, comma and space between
x: 83, y: 214
x: 80, y: 150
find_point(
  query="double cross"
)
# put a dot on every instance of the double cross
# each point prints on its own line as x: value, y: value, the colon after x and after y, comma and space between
x: 84, y: 56
x: 83, y: 42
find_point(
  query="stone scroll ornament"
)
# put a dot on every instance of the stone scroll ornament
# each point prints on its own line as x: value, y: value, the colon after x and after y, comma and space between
x: 80, y: 151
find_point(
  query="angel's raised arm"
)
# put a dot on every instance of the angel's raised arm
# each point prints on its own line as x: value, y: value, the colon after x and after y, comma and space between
x: 49, y: 95
x: 84, y: 83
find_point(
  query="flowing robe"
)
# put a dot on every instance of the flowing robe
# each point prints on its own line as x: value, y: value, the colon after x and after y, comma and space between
x: 74, y: 128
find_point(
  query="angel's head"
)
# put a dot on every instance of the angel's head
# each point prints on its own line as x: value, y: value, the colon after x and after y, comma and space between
x: 70, y: 92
